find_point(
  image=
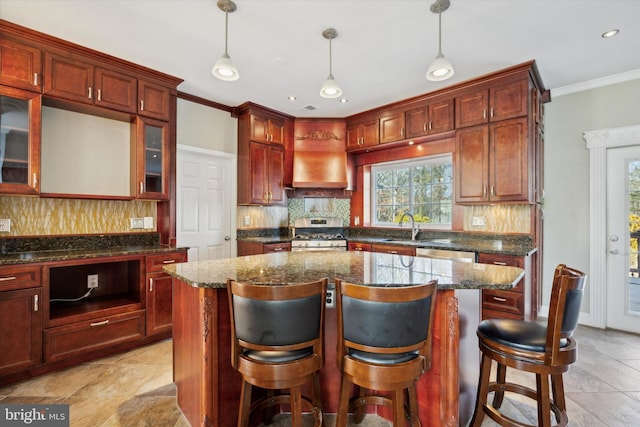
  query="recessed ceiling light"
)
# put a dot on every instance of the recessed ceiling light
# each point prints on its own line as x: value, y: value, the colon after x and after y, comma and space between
x: 343, y: 100
x: 291, y: 98
x: 610, y: 33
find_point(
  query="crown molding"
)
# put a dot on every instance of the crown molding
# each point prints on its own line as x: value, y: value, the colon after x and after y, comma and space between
x: 596, y: 83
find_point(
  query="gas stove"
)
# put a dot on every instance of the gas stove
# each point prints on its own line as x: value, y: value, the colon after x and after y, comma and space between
x: 318, y: 234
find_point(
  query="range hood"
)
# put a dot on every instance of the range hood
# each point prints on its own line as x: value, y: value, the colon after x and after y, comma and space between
x: 319, y: 169
x: 319, y: 156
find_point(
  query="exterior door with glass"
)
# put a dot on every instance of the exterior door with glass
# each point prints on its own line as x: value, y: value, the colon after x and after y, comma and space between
x: 623, y: 235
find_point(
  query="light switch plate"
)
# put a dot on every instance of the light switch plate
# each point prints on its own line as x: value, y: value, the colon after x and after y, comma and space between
x: 5, y: 225
x: 148, y: 222
x: 478, y: 221
x: 137, y: 223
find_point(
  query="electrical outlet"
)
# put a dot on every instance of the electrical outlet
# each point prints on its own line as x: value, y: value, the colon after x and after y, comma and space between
x: 330, y: 298
x: 137, y: 223
x: 148, y: 222
x: 5, y: 225
x: 478, y: 221
x: 92, y: 281
x: 247, y: 221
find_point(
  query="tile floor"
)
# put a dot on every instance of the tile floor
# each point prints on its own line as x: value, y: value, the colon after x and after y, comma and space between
x: 135, y: 388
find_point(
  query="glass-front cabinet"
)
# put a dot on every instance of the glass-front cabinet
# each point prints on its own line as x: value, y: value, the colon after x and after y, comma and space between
x: 152, y: 159
x: 20, y: 113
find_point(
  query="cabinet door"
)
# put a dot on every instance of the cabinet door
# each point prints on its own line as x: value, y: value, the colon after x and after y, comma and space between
x: 504, y: 304
x: 152, y: 159
x: 20, y: 66
x: 259, y: 128
x: 509, y: 100
x: 417, y: 121
x: 154, y: 100
x: 276, y: 247
x: 20, y: 121
x: 68, y: 78
x: 441, y: 117
x: 159, y: 305
x: 370, y: 132
x: 276, y: 176
x: 20, y: 330
x: 472, y: 164
x: 509, y: 161
x: 115, y: 90
x: 259, y: 172
x: 276, y: 131
x: 471, y: 109
x: 353, y: 137
x: 392, y: 128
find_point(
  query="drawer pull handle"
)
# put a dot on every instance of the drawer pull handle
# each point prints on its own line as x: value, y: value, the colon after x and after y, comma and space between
x: 104, y: 322
x: 169, y: 261
x: 35, y: 303
x: 6, y: 279
x: 499, y: 299
x: 35, y: 79
x: 277, y: 249
x: 499, y: 263
x: 393, y: 252
x: 142, y: 105
x: 151, y: 284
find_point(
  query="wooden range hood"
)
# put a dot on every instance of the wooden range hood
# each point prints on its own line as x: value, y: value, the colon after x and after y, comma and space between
x: 319, y: 155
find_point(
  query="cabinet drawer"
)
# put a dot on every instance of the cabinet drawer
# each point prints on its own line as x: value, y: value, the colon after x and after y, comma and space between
x: 512, y: 302
x: 19, y: 278
x: 276, y: 247
x: 495, y: 314
x: 356, y: 246
x: 156, y: 262
x: 77, y: 338
x: 392, y: 249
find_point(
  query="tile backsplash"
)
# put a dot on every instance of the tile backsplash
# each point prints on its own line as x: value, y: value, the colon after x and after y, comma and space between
x: 32, y: 216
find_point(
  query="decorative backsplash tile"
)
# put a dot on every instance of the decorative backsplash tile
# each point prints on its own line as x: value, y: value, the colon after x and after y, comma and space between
x: 319, y: 207
x: 32, y: 216
x: 504, y: 218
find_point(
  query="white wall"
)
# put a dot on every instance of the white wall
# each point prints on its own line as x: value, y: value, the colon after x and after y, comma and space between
x: 566, y: 171
x: 200, y: 126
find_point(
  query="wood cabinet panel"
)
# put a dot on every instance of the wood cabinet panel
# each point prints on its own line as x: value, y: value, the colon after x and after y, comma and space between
x: 276, y: 247
x: 357, y: 246
x: 154, y: 100
x: 508, y: 304
x: 429, y: 119
x: 362, y: 134
x: 158, y: 297
x: 115, y: 90
x: 20, y: 65
x: 96, y: 334
x: 150, y: 159
x: 267, y: 129
x: 20, y: 329
x: 471, y: 109
x: 472, y: 164
x: 68, y: 78
x: 265, y: 174
x: 509, y: 100
x: 392, y: 127
x: 393, y: 249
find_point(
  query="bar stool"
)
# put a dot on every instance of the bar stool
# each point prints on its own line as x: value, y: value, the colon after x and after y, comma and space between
x: 547, y: 351
x: 277, y: 344
x: 384, y: 344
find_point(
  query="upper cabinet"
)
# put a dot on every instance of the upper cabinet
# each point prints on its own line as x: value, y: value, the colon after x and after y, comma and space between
x: 154, y: 100
x: 20, y: 65
x: 150, y: 162
x: 20, y: 113
x: 493, y: 104
x: 267, y: 128
x: 392, y: 127
x: 362, y: 133
x: 430, y: 118
x: 262, y: 139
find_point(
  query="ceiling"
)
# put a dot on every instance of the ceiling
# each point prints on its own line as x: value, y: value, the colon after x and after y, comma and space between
x: 381, y: 54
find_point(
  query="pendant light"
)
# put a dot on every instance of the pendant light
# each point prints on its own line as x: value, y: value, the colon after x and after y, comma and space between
x: 330, y: 89
x: 224, y: 68
x: 440, y: 69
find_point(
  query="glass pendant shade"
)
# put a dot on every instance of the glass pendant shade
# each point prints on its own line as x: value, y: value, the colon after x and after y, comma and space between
x: 440, y: 69
x: 224, y: 69
x: 330, y: 88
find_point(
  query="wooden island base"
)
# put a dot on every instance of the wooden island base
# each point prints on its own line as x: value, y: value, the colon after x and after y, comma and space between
x: 208, y: 388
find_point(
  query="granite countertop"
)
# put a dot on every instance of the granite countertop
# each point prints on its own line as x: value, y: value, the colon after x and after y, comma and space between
x: 61, y: 248
x: 493, y: 246
x: 368, y: 268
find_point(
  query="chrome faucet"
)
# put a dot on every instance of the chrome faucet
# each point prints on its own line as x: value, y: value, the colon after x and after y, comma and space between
x: 414, y: 229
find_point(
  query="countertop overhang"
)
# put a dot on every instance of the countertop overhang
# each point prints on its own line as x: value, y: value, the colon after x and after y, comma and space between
x: 366, y: 268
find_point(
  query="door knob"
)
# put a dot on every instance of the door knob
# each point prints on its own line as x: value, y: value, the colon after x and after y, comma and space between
x: 614, y: 251
x: 227, y: 238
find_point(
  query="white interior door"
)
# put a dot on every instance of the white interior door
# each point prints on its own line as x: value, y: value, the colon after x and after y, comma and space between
x: 623, y: 235
x: 205, y: 212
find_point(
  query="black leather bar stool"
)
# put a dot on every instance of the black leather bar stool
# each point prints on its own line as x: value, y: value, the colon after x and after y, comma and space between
x: 384, y: 344
x: 547, y: 351
x: 277, y: 344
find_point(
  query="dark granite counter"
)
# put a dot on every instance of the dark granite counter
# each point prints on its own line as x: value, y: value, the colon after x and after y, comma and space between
x: 369, y: 268
x: 61, y: 248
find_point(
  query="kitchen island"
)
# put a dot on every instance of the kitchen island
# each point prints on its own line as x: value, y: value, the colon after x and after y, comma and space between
x: 208, y: 388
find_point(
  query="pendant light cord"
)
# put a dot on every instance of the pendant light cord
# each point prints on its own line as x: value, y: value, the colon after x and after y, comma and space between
x: 226, y: 31
x: 440, y: 33
x: 330, y: 59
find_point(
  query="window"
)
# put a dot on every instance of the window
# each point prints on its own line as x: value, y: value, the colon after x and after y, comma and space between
x: 422, y: 187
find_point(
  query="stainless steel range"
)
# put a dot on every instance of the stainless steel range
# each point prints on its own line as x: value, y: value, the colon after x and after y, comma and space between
x: 318, y: 234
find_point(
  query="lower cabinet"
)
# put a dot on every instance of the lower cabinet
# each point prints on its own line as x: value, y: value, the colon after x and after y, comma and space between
x: 159, y: 285
x: 256, y: 248
x: 514, y: 303
x: 357, y: 246
x: 20, y: 319
x: 393, y: 249
x: 55, y: 314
